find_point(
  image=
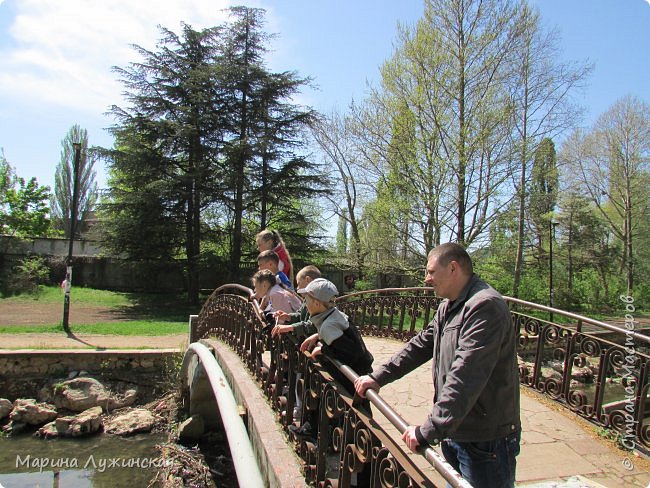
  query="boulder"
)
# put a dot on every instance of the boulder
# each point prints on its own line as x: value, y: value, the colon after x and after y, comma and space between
x: 191, y: 429
x: 48, y: 431
x: 79, y: 394
x: 86, y: 423
x: 28, y: 411
x: 13, y: 428
x: 583, y: 375
x: 132, y: 422
x: 5, y: 407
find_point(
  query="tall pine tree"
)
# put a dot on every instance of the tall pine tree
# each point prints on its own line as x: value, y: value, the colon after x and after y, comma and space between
x: 64, y: 182
x: 208, y: 144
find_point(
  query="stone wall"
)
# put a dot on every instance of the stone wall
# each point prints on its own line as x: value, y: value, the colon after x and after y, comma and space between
x: 22, y: 371
x: 48, y: 246
x: 94, y: 270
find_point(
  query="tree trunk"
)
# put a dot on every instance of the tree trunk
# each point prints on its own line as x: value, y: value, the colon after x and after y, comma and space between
x: 240, y: 169
x: 521, y: 218
x: 570, y: 258
x: 193, y: 223
x: 356, y: 242
x: 519, y: 260
x: 462, y: 156
x: 190, y: 237
x: 462, y: 164
x: 264, y: 197
x: 235, y: 254
x: 628, y: 243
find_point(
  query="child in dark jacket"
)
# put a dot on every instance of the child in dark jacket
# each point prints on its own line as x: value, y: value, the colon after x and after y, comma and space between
x: 336, y: 338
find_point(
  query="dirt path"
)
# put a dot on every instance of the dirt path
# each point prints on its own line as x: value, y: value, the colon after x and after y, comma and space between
x: 37, y: 313
x: 91, y: 341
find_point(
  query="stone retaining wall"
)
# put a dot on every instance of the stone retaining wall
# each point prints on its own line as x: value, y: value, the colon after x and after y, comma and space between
x: 28, y: 369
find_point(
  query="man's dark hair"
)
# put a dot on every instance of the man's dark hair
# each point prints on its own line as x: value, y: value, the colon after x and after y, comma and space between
x: 451, y: 251
x: 268, y: 256
x: 310, y: 271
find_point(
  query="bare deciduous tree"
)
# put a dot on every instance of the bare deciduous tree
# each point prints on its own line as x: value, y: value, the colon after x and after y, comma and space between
x: 540, y: 92
x: 334, y: 138
x: 612, y: 165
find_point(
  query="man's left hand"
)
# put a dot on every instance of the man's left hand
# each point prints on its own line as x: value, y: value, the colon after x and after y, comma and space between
x: 281, y: 329
x: 409, y: 438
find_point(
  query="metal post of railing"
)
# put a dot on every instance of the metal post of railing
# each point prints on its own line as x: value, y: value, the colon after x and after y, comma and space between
x: 551, y: 238
x: 443, y: 467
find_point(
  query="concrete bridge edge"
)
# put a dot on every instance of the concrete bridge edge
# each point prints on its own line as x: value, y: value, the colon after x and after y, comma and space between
x: 277, y: 461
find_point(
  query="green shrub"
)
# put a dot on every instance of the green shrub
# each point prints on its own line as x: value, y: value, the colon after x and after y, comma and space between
x: 363, y: 285
x: 28, y: 275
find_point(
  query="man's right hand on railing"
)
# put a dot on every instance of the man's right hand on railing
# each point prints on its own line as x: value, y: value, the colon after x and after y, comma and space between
x: 281, y: 316
x: 363, y: 383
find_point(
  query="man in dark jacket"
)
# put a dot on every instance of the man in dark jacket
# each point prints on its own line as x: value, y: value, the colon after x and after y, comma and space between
x: 475, y: 414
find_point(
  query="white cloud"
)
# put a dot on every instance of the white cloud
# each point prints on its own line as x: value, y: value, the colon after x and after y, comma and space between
x: 61, y: 53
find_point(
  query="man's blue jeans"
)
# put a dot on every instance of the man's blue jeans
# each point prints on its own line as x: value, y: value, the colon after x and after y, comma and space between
x: 489, y: 464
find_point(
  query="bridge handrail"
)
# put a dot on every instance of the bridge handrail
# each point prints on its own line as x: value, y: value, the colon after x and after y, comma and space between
x: 517, y: 301
x: 580, y: 318
x: 443, y: 467
x: 243, y: 457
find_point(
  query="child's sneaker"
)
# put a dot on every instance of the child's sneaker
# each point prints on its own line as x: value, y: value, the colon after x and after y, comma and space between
x: 304, y: 432
x: 297, y: 414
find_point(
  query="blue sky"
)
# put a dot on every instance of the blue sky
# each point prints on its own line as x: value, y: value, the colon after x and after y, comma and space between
x: 56, y: 55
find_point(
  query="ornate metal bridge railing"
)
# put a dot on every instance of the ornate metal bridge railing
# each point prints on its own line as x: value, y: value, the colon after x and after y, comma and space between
x: 350, y: 443
x: 598, y: 370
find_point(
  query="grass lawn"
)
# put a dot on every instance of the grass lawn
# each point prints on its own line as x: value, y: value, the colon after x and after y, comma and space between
x: 96, y: 312
x: 128, y: 328
x: 54, y: 295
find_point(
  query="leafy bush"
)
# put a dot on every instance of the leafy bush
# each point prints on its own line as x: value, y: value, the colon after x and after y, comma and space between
x: 363, y: 285
x: 28, y: 275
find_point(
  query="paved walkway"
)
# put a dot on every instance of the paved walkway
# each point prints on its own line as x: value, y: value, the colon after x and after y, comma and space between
x: 558, y: 449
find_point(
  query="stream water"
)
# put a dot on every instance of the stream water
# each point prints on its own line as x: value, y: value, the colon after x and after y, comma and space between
x: 99, y: 461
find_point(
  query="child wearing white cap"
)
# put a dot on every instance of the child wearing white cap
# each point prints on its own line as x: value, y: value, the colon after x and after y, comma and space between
x: 336, y: 338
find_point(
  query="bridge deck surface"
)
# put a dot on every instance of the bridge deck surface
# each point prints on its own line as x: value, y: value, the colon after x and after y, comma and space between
x: 558, y: 448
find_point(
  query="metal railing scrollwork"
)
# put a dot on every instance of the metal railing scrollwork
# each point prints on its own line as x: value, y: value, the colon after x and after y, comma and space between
x: 598, y: 370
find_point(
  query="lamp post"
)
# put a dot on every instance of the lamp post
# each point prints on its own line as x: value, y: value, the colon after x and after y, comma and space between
x: 551, y: 237
x: 73, y: 221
